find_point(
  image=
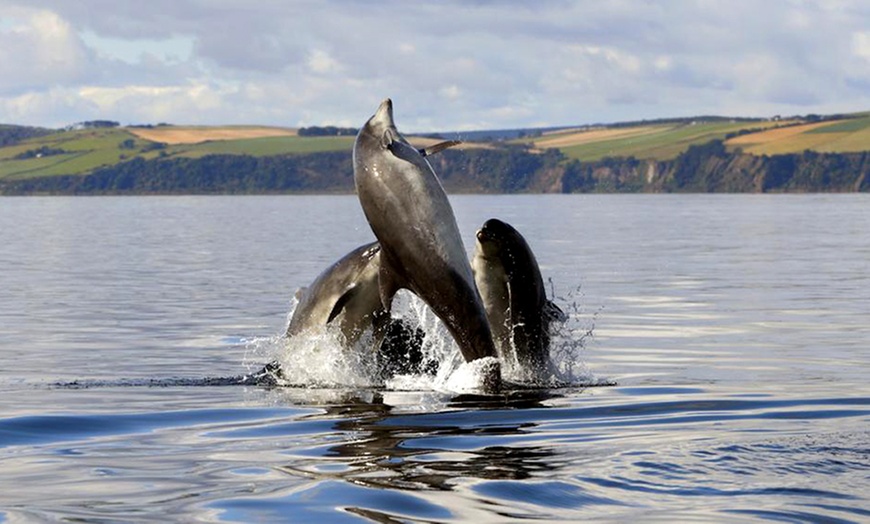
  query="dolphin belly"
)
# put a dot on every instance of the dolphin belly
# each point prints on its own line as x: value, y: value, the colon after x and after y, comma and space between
x: 422, y: 250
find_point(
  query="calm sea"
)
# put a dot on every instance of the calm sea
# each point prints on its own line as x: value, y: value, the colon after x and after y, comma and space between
x: 736, y: 329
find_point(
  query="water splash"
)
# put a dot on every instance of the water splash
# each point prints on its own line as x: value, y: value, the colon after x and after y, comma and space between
x: 320, y: 358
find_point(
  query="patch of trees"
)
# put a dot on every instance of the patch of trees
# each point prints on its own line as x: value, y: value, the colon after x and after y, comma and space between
x: 213, y: 174
x: 39, y: 153
x: 327, y: 131
x: 680, y: 120
x: 149, y: 126
x: 97, y: 124
x: 509, y: 169
x: 608, y: 175
x: 11, y: 134
x: 153, y: 146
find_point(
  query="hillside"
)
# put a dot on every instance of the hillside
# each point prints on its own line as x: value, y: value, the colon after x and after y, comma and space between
x: 847, y: 134
x: 83, y: 151
x: 205, y: 159
x: 836, y: 136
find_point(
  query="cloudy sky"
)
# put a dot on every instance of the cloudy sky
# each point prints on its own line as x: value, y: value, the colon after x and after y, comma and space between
x: 448, y: 65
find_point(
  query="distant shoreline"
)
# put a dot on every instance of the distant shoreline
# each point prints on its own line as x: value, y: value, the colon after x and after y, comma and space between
x: 701, y: 155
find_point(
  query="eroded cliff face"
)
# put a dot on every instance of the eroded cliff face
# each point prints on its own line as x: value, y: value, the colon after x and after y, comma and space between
x: 712, y: 169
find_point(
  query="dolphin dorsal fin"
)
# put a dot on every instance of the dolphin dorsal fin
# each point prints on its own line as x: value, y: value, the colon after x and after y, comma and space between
x: 440, y: 146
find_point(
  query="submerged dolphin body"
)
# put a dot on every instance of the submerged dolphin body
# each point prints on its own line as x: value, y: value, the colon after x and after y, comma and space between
x: 421, y: 248
x: 510, y: 283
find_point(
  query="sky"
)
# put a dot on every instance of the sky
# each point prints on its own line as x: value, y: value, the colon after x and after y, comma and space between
x: 448, y: 65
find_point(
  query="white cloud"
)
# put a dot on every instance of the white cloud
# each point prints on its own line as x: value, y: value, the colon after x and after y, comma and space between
x: 172, y: 49
x: 861, y: 44
x: 450, y: 65
x: 37, y: 48
x: 321, y: 62
x: 451, y: 92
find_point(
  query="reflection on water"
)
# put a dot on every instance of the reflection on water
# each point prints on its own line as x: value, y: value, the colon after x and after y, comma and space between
x: 387, y: 452
x: 735, y: 328
x: 607, y: 454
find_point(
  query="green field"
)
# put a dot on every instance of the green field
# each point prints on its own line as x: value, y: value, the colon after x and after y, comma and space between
x: 845, y: 126
x: 83, y: 151
x: 279, y: 145
x: 848, y: 135
x: 660, y: 142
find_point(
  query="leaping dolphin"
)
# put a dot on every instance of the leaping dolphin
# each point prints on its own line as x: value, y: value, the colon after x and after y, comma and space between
x: 510, y: 283
x: 421, y: 248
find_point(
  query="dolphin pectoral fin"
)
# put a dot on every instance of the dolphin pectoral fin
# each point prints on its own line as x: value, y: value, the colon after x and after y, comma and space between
x: 440, y: 146
x: 341, y: 302
x: 553, y: 313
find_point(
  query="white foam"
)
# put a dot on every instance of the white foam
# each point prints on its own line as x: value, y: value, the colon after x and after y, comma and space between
x: 320, y: 358
x: 476, y: 376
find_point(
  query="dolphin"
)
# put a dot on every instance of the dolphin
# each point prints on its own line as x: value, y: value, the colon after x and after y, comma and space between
x: 346, y: 292
x: 513, y: 293
x: 421, y: 248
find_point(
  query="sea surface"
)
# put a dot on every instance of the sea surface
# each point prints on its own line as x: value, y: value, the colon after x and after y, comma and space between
x: 717, y: 357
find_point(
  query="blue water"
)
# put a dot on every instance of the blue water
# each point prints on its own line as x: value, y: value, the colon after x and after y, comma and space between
x: 735, y: 329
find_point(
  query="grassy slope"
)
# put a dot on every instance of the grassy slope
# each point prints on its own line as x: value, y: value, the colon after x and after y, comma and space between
x: 84, y: 151
x: 666, y: 141
x: 838, y: 136
x: 266, y: 146
x: 661, y: 142
x: 90, y: 149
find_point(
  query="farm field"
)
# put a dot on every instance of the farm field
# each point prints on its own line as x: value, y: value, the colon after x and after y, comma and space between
x: 656, y: 142
x: 70, y: 152
x: 82, y: 151
x: 837, y: 136
x: 79, y: 152
x: 195, y: 134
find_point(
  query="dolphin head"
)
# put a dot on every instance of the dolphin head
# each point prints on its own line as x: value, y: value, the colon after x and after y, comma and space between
x: 495, y: 237
x: 383, y: 117
x: 381, y: 127
x: 499, y: 242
